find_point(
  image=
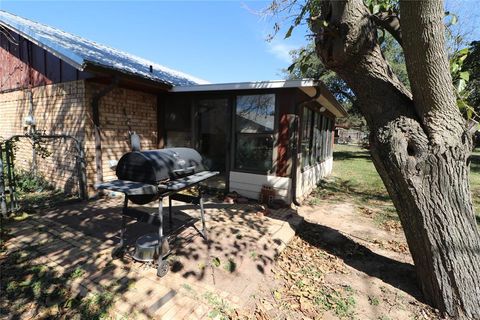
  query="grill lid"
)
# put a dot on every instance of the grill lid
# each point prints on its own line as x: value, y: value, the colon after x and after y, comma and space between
x: 155, y: 166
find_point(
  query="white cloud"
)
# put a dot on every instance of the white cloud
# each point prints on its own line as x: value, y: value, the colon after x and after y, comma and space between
x: 281, y: 50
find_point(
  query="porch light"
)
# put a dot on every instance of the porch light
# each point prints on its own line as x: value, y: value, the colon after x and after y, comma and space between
x: 29, y: 120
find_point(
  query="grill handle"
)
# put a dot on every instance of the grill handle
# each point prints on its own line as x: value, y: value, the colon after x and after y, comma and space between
x: 184, y: 170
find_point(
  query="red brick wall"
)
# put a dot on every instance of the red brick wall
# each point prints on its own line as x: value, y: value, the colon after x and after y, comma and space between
x: 118, y: 108
x: 57, y: 109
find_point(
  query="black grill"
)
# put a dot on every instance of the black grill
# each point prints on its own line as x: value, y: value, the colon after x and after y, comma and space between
x: 145, y: 176
x: 156, y: 166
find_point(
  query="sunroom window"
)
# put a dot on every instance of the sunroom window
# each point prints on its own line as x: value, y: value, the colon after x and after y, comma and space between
x: 316, y: 136
x: 178, y: 124
x: 255, y: 123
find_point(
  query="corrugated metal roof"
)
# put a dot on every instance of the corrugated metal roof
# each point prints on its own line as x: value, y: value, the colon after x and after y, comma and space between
x: 80, y: 52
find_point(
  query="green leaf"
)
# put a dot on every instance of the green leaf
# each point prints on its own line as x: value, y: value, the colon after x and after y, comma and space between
x: 469, y: 113
x: 277, y: 295
x: 454, y: 19
x: 216, y: 262
x: 461, y: 85
x: 454, y: 67
x: 465, y: 75
x: 461, y: 105
x: 289, y: 32
x: 463, y: 52
x: 291, y: 67
x: 376, y: 9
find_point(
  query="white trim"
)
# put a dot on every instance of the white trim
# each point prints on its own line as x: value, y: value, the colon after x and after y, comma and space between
x: 249, y: 185
x: 308, y: 86
x: 271, y: 84
x: 324, y: 101
x: 308, y: 179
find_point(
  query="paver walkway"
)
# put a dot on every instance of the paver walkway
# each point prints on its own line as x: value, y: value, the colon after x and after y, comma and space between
x: 217, y: 276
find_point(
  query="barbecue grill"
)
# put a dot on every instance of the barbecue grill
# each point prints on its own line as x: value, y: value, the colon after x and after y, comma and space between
x: 147, y: 176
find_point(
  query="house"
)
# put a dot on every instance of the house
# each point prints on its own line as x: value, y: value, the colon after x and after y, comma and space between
x: 274, y: 133
x: 347, y: 135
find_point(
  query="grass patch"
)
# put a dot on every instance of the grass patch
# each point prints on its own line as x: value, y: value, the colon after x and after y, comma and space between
x: 342, y: 302
x: 356, y: 179
x: 230, y: 266
x: 220, y: 307
x: 475, y: 181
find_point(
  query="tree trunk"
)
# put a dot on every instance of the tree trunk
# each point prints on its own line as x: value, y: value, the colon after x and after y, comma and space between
x: 419, y: 144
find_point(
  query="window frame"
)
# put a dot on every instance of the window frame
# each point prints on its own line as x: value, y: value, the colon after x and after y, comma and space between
x: 319, y: 147
x: 273, y: 134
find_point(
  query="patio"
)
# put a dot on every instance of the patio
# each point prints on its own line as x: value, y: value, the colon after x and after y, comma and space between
x: 204, y: 279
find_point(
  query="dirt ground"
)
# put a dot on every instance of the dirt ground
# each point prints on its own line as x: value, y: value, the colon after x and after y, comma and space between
x: 343, y: 265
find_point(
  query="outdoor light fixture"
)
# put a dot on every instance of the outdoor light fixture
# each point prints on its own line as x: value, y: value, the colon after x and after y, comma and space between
x: 29, y: 120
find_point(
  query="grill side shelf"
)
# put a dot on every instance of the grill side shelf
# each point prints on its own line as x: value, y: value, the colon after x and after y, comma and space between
x: 130, y: 188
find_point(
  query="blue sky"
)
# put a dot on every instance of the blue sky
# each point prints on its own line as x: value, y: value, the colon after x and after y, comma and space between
x: 219, y: 41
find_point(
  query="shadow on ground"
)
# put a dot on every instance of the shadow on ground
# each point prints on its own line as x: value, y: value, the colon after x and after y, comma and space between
x: 31, y: 289
x: 347, y: 155
x: 346, y: 187
x: 79, y: 238
x: 398, y: 274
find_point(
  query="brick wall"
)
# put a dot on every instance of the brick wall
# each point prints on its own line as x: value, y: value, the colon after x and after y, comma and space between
x: 57, y: 109
x: 117, y: 109
x: 65, y: 108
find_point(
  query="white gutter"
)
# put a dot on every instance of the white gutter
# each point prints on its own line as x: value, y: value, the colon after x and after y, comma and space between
x: 272, y: 84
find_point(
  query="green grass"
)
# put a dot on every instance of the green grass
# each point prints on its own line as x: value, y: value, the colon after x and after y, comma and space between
x: 475, y: 181
x: 353, y: 164
x: 342, y: 302
x: 355, y: 177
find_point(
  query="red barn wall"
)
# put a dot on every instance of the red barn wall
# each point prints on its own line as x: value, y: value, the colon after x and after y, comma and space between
x: 24, y: 64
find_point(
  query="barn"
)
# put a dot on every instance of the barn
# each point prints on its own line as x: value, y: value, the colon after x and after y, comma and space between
x: 275, y: 134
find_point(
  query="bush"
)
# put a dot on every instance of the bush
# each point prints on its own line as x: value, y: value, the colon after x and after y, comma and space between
x: 27, y: 182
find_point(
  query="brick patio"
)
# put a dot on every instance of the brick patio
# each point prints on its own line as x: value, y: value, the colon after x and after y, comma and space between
x: 82, y: 236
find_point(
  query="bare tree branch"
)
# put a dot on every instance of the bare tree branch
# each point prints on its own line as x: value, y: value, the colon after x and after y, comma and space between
x: 391, y: 23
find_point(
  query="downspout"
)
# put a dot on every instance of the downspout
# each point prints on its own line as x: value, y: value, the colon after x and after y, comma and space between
x: 96, y: 123
x: 295, y: 141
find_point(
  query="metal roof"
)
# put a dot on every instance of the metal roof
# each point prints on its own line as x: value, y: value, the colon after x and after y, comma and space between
x: 80, y: 52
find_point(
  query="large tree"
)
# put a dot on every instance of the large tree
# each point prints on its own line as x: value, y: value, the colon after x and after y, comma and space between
x: 420, y: 143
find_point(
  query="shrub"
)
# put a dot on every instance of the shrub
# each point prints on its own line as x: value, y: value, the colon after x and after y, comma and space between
x: 28, y: 181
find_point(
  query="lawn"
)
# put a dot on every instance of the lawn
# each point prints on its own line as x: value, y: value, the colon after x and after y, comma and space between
x: 354, y: 176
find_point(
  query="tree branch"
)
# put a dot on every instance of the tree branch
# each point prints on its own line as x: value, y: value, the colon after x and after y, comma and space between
x: 391, y: 23
x: 429, y: 70
x: 349, y: 46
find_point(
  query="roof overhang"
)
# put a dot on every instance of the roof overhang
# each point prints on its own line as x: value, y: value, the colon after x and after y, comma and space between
x: 73, y: 59
x: 309, y: 86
